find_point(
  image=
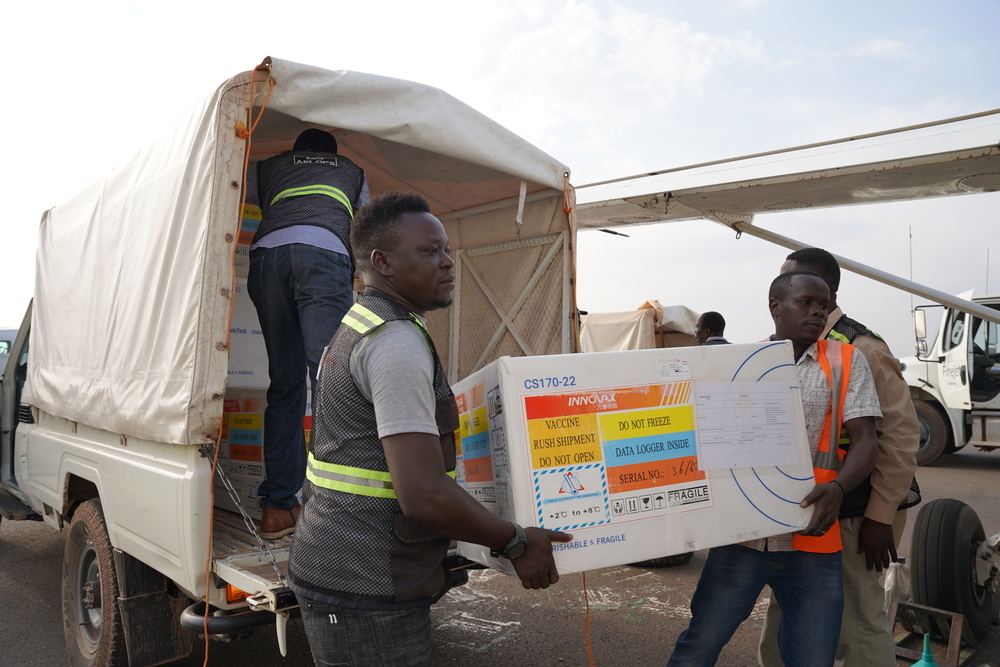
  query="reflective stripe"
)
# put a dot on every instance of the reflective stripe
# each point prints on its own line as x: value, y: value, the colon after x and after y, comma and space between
x: 327, y: 190
x: 831, y: 360
x: 836, y: 335
x: 359, y: 481
x: 423, y: 330
x: 367, y: 316
x: 361, y: 319
x: 836, y: 408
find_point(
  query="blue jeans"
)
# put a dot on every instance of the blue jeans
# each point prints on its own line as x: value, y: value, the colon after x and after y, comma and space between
x: 361, y: 638
x: 808, y: 586
x: 301, y: 294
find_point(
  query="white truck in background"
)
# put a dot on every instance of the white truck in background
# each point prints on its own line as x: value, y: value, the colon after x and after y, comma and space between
x: 140, y: 343
x: 954, y: 381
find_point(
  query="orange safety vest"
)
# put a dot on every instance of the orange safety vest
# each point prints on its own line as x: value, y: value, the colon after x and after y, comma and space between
x: 835, y: 360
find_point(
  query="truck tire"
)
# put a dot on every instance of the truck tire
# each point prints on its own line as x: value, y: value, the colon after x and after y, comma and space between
x: 943, y: 551
x: 933, y: 433
x: 91, y: 619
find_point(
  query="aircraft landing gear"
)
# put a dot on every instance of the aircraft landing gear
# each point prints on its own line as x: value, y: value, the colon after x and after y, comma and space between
x: 955, y: 566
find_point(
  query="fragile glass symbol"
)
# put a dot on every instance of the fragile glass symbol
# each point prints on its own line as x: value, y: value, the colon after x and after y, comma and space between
x: 571, y: 484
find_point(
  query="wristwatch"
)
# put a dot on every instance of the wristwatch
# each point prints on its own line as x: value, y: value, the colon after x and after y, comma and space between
x: 515, y: 548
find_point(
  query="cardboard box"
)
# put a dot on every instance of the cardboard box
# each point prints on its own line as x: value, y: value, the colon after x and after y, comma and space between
x: 639, y: 454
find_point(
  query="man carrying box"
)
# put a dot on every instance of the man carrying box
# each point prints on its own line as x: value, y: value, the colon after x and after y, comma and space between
x: 381, y: 504
x: 872, y: 517
x: 803, y: 570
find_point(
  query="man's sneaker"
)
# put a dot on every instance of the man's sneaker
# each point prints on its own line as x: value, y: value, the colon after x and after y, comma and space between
x: 277, y: 523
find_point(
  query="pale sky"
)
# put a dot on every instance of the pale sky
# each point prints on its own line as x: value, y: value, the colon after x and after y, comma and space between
x: 608, y: 88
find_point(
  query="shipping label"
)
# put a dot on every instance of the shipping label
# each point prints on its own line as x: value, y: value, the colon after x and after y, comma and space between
x: 473, y: 445
x: 612, y: 455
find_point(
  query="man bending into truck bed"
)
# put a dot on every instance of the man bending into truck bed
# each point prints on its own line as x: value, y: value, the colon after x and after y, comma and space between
x: 803, y: 570
x: 380, y: 506
x: 300, y: 281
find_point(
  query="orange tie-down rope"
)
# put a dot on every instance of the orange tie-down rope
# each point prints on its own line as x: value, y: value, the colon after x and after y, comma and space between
x: 567, y: 207
x: 243, y: 133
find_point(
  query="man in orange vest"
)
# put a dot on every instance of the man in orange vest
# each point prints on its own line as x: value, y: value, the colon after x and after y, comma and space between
x: 804, y: 569
x: 872, y: 517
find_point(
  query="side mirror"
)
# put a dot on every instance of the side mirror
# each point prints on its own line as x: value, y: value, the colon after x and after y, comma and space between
x: 920, y: 325
x: 921, y: 347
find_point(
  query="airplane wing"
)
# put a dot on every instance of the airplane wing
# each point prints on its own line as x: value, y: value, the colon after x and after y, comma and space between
x: 950, y: 157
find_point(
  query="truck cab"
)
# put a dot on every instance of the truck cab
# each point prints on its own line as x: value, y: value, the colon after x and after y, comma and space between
x: 954, y: 381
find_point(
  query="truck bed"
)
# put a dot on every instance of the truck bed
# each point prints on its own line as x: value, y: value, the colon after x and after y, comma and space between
x: 238, y: 557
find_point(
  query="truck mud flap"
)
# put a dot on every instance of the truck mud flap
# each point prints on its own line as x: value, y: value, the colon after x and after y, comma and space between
x: 150, y: 615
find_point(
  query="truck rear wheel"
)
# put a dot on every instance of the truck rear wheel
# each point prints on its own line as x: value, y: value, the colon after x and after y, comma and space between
x: 91, y: 620
x: 945, y: 538
x: 933, y: 433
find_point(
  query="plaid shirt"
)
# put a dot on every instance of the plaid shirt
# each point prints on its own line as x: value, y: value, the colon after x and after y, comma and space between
x: 861, y: 401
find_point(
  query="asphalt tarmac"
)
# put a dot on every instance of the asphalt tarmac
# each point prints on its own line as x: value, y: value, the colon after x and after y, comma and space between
x: 636, y: 613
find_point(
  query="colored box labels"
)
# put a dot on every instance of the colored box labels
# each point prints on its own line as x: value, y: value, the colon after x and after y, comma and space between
x: 647, y: 422
x: 474, y: 422
x: 239, y: 452
x: 560, y: 441
x: 251, y: 221
x: 607, y: 400
x: 243, y: 420
x: 476, y: 446
x: 472, y: 441
x: 649, y: 448
x: 652, y: 474
x: 479, y: 470
x: 243, y: 437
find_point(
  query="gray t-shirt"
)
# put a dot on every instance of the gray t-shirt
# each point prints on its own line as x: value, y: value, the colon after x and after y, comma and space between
x: 394, y: 369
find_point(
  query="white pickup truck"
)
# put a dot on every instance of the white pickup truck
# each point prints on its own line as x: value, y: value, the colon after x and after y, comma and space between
x: 140, y: 344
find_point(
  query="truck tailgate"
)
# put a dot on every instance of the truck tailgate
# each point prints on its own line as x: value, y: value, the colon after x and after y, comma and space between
x: 239, y: 559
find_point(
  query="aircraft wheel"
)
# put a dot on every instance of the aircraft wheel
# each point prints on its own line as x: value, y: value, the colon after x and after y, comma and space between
x: 945, y: 538
x: 91, y: 620
x: 933, y: 433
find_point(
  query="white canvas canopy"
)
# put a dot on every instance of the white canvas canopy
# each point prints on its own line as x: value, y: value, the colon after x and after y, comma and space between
x: 648, y: 327
x: 134, y: 275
